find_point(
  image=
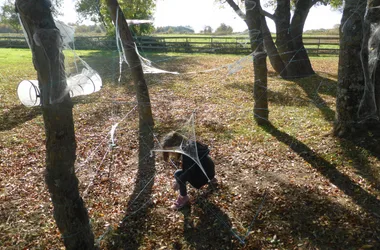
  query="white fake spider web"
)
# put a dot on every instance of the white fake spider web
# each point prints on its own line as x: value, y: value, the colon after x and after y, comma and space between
x: 188, y: 146
x: 81, y: 79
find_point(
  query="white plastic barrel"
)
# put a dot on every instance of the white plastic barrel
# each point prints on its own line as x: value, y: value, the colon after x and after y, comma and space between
x: 29, y: 93
x: 84, y: 83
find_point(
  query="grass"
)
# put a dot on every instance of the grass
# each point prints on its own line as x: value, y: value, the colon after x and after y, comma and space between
x: 321, y: 192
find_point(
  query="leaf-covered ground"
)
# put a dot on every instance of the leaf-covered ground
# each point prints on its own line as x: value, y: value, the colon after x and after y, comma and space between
x: 288, y: 185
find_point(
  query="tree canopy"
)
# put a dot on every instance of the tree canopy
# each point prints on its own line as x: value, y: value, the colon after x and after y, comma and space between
x: 8, y: 15
x: 97, y: 11
x: 335, y: 4
x: 174, y: 29
x: 223, y: 29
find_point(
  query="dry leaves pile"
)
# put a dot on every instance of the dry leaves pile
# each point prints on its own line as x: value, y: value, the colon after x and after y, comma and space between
x: 321, y: 192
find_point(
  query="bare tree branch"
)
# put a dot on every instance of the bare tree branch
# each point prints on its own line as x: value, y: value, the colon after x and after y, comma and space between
x: 236, y: 8
x: 267, y: 14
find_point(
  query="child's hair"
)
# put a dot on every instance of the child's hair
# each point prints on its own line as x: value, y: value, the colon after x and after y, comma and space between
x: 172, y: 140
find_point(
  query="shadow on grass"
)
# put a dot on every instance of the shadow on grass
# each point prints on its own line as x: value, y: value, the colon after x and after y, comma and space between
x: 279, y: 98
x: 206, y: 226
x: 18, y: 115
x: 369, y: 139
x: 360, y: 196
x: 129, y: 233
x: 313, y: 87
x: 106, y: 63
x: 358, y: 153
x: 313, y: 221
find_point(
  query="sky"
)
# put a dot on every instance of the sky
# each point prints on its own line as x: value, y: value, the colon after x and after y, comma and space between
x: 200, y: 13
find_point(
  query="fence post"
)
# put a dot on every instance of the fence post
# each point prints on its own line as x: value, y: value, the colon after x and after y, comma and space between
x: 319, y: 44
x: 185, y: 43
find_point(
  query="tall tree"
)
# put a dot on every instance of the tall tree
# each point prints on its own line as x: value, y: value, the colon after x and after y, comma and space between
x: 368, y: 109
x: 287, y: 54
x: 97, y: 11
x: 69, y: 211
x: 253, y: 19
x: 146, y: 123
x: 288, y: 41
x: 223, y: 29
x: 358, y: 94
x: 260, y: 93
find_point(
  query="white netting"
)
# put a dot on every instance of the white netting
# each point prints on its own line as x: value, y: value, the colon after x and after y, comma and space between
x: 183, y: 141
x: 146, y: 64
x: 81, y: 78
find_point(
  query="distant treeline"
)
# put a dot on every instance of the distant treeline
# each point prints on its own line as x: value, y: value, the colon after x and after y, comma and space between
x: 4, y: 28
x: 174, y: 30
x: 333, y: 31
x: 221, y: 30
x: 88, y: 28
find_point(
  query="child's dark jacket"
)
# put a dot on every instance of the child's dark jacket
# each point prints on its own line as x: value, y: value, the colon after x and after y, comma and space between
x: 194, y: 174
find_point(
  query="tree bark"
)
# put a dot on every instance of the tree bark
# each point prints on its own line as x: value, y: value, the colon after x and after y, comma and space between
x: 374, y: 67
x: 350, y: 86
x: 368, y: 110
x: 373, y: 14
x: 283, y: 38
x: 290, y: 46
x: 146, y: 123
x: 69, y: 211
x: 296, y: 29
x: 260, y: 93
x: 274, y: 57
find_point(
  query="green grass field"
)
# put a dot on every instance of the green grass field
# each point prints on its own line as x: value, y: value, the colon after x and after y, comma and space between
x: 317, y: 45
x: 321, y: 191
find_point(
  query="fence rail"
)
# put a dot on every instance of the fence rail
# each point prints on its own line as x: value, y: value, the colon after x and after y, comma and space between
x: 316, y: 45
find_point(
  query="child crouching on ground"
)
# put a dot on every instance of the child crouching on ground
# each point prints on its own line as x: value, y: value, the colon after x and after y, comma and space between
x: 190, y: 171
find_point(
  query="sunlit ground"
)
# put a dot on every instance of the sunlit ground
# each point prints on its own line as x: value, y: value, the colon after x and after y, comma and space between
x: 320, y: 192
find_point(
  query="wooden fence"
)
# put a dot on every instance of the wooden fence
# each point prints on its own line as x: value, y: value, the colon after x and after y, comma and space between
x: 190, y: 44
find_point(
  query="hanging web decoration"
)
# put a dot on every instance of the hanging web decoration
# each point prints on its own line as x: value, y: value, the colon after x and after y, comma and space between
x: 146, y: 64
x: 240, y: 64
x: 81, y: 78
x: 186, y: 146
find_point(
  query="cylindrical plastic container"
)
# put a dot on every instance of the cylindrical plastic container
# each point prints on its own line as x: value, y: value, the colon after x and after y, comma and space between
x: 29, y: 93
x: 84, y: 83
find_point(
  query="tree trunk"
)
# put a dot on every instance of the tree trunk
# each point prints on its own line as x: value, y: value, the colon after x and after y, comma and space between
x: 293, y: 54
x: 296, y: 29
x: 373, y: 14
x: 283, y: 38
x: 69, y: 211
x: 274, y: 57
x: 368, y: 109
x: 146, y: 123
x: 260, y: 93
x: 350, y: 73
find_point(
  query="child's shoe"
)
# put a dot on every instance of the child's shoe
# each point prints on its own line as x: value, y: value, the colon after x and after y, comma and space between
x: 214, y: 181
x: 180, y: 202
